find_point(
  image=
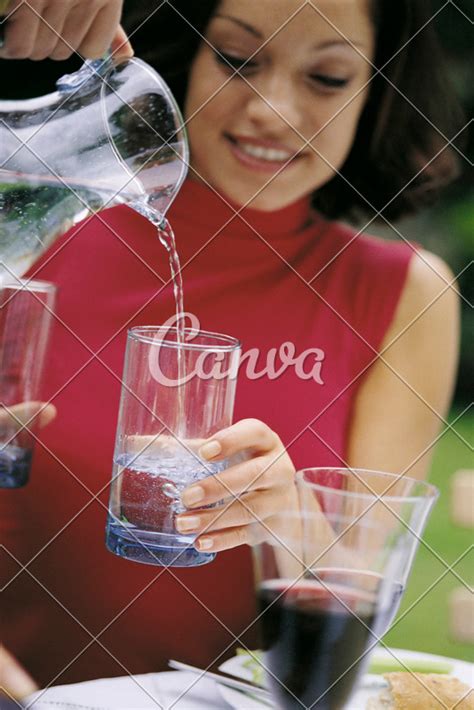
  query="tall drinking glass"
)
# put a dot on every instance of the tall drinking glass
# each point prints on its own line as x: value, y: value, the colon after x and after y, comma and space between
x: 330, y: 576
x: 26, y: 313
x: 178, y: 390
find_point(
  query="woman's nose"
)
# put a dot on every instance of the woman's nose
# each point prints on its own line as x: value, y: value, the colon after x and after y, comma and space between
x: 273, y: 104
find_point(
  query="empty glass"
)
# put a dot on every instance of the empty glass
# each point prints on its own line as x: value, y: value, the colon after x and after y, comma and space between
x: 177, y: 390
x: 330, y: 575
x: 111, y: 133
x: 26, y: 313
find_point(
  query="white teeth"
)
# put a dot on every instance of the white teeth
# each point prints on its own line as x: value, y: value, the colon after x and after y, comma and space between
x: 270, y: 154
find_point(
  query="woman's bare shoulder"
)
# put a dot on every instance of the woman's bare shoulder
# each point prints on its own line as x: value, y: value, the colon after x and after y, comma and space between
x: 430, y: 287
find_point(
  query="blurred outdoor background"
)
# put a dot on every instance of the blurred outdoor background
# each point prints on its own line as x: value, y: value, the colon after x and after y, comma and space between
x: 448, y: 230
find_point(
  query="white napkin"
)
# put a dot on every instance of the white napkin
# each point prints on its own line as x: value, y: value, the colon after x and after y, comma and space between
x: 183, y: 691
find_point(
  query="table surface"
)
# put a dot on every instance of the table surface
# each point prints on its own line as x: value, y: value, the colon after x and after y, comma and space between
x: 175, y: 689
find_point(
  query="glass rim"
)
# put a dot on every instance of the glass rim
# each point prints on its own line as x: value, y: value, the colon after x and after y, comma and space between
x: 37, y: 286
x: 142, y: 334
x: 431, y: 490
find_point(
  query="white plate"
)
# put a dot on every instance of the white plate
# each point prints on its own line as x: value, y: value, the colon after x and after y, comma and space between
x: 461, y: 669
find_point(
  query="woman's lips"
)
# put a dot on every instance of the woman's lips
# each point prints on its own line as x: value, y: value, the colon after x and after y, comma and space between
x: 261, y: 155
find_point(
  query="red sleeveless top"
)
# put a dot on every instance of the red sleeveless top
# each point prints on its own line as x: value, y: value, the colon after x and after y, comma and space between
x: 267, y: 278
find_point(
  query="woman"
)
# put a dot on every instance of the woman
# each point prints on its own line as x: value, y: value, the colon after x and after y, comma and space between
x: 306, y: 123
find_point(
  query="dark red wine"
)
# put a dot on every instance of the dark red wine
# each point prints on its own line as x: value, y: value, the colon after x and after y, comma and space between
x: 315, y: 635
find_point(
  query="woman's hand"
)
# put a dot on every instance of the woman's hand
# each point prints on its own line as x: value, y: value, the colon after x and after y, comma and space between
x: 14, y: 680
x: 14, y: 417
x: 56, y: 28
x: 252, y: 492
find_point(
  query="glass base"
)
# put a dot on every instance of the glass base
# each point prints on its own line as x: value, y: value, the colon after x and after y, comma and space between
x: 15, y: 465
x: 152, y: 548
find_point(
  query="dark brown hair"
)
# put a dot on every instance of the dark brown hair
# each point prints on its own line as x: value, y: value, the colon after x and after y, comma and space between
x: 410, y: 114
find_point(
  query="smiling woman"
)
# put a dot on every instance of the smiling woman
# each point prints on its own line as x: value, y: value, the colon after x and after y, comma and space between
x: 298, y: 112
x: 294, y: 109
x: 380, y: 63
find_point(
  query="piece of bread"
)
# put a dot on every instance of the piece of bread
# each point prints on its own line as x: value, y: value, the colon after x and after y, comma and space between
x: 382, y: 701
x: 423, y: 691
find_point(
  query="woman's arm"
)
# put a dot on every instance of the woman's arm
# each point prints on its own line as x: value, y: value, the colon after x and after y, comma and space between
x: 398, y: 410
x: 14, y: 680
x: 395, y: 420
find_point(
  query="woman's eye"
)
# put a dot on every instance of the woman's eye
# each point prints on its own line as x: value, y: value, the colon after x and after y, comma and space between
x: 230, y: 61
x: 330, y: 82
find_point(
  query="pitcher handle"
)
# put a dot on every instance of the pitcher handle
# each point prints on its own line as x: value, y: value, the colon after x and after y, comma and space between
x: 91, y: 68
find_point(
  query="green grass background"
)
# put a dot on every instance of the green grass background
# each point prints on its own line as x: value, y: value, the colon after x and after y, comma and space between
x: 426, y: 626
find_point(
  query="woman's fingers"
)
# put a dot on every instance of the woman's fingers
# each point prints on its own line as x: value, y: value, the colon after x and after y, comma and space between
x: 260, y: 473
x: 253, y: 535
x: 18, y: 415
x: 101, y: 32
x: 284, y: 529
x: 250, y: 508
x: 254, y: 490
x: 247, y: 434
x: 47, y: 415
x: 251, y: 518
x: 21, y: 29
x: 77, y: 23
x: 58, y: 28
x: 14, y: 680
x: 121, y: 47
x: 50, y: 31
x: 226, y: 540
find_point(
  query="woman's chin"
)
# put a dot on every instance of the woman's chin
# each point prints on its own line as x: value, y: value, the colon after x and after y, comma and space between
x: 267, y: 198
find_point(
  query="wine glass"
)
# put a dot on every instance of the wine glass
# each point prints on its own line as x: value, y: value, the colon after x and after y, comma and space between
x: 330, y: 575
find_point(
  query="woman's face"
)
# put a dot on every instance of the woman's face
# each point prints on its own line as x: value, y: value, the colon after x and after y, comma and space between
x: 305, y: 79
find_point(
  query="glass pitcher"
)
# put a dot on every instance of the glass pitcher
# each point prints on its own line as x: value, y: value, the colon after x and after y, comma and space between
x: 111, y: 133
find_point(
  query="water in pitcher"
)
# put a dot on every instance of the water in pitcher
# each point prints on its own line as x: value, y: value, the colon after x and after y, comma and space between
x: 34, y: 212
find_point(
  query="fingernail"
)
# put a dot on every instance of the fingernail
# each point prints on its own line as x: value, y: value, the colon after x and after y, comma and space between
x: 47, y: 415
x: 210, y: 450
x: 192, y: 495
x: 188, y: 523
x: 205, y: 543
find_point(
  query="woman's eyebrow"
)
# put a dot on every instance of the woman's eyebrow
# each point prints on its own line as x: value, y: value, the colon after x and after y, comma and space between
x: 341, y: 43
x: 242, y: 24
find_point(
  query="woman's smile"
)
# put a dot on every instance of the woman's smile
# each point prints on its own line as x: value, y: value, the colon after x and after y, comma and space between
x: 261, y: 154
